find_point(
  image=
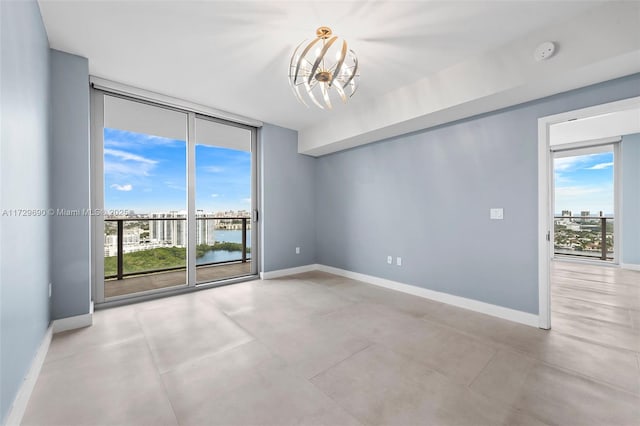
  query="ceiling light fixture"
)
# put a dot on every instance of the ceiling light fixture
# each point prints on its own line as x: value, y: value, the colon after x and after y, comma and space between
x: 322, y: 67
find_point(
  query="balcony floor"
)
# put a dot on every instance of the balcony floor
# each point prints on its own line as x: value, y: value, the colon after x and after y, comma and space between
x: 136, y: 284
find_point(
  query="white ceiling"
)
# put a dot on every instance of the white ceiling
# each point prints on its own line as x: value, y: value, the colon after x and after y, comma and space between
x: 234, y: 55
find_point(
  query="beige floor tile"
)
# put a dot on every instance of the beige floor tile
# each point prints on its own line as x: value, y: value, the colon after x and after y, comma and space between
x: 323, y: 278
x: 319, y: 300
x: 474, y: 324
x: 635, y: 319
x: 616, y: 300
x: 245, y: 386
x: 401, y: 302
x: 117, y: 384
x: 292, y: 287
x: 583, y: 309
x: 597, y: 273
x: 372, y: 321
x: 454, y: 354
x: 378, y: 386
x: 553, y: 395
x: 596, y: 331
x: 296, y: 307
x: 184, y: 347
x: 362, y: 292
x: 110, y: 326
x: 313, y: 346
x: 602, y: 363
x: 169, y: 301
x: 624, y: 290
x: 176, y: 318
x: 521, y: 418
x: 245, y: 297
x: 459, y: 357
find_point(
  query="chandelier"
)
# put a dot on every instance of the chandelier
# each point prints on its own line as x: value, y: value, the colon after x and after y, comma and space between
x: 323, y: 68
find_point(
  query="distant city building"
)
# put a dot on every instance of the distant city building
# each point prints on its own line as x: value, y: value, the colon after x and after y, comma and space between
x: 130, y: 241
x: 585, y: 213
x: 566, y: 213
x: 170, y: 229
x: 173, y: 231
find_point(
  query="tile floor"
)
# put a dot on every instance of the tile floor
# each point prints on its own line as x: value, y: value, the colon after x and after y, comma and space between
x: 321, y: 349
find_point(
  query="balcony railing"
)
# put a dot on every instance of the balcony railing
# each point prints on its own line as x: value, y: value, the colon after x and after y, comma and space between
x: 117, y: 227
x: 584, y: 236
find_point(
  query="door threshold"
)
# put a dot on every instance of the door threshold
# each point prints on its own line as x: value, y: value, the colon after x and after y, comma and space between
x: 172, y: 292
x: 595, y: 262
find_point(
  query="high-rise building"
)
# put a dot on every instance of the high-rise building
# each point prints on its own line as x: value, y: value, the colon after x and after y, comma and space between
x: 172, y: 230
x: 566, y: 213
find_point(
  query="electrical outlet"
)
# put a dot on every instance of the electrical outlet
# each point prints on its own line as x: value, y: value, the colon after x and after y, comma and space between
x: 389, y: 260
x: 399, y: 261
x: 297, y: 250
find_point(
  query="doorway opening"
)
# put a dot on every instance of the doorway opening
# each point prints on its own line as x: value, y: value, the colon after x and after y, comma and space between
x: 606, y: 132
x: 584, y: 203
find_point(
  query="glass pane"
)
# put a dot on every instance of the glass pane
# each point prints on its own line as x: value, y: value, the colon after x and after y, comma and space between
x: 584, y: 200
x: 145, y: 205
x: 223, y: 201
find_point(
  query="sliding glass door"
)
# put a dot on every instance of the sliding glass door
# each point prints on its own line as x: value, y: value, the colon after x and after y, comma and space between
x: 223, y: 175
x: 177, y: 192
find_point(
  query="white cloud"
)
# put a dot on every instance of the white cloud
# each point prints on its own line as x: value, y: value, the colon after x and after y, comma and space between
x: 126, y: 187
x: 569, y: 163
x: 575, y: 191
x: 127, y: 156
x: 246, y: 200
x: 126, y: 170
x: 215, y: 195
x: 600, y: 166
x: 127, y: 163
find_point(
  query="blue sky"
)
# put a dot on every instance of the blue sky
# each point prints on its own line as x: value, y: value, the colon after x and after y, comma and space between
x: 584, y: 183
x: 148, y: 174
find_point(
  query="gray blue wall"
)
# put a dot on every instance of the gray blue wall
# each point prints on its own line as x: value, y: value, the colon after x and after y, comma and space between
x: 631, y: 199
x: 288, y: 200
x: 69, y: 185
x: 24, y: 173
x: 426, y: 197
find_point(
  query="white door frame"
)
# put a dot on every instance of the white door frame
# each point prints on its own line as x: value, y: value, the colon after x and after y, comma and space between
x: 545, y: 179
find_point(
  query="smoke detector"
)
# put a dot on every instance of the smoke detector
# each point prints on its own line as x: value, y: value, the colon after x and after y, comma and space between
x: 544, y: 51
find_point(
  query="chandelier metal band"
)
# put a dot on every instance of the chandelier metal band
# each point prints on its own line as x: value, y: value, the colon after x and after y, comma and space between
x: 319, y: 73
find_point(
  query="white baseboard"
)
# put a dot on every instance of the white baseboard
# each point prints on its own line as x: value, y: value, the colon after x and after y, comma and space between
x: 71, y: 323
x: 17, y: 409
x: 631, y: 266
x: 290, y: 271
x: 461, y: 302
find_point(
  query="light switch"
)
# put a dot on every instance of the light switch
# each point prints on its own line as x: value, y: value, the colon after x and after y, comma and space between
x: 496, y: 213
x: 389, y: 260
x: 399, y: 261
